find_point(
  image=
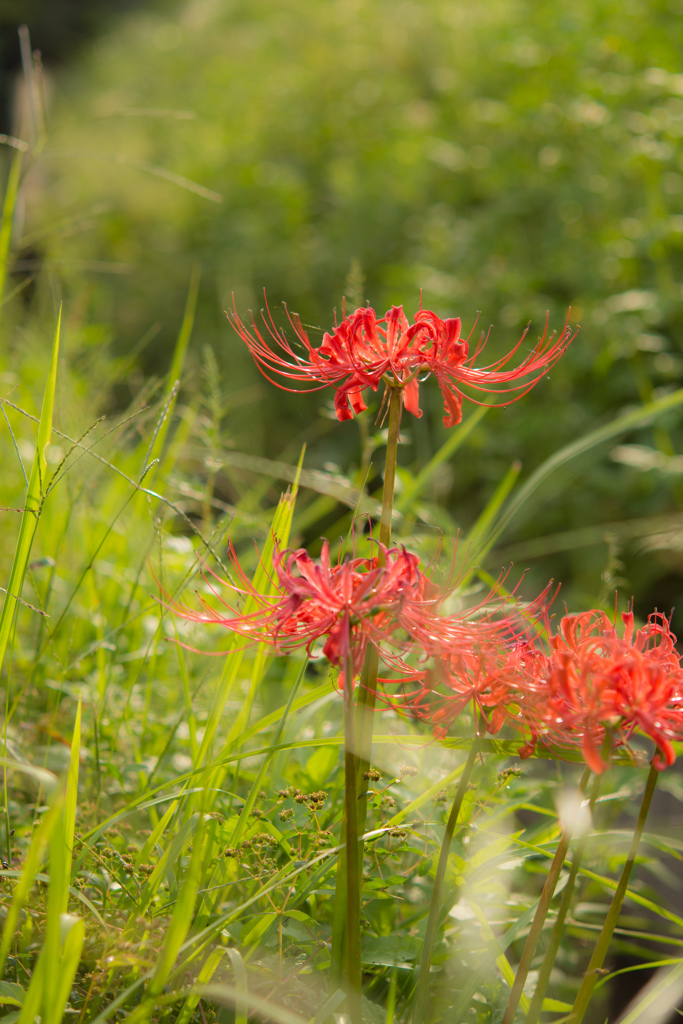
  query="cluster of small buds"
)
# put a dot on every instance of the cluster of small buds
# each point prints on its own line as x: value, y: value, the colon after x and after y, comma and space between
x: 286, y: 814
x: 408, y: 769
x: 261, y: 839
x: 506, y: 774
x: 398, y: 833
x: 314, y: 800
x: 372, y: 775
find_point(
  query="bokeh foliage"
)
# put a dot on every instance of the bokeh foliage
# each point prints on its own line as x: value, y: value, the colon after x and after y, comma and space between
x: 510, y: 157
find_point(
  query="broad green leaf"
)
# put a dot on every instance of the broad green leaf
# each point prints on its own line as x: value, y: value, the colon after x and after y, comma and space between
x: 11, y: 994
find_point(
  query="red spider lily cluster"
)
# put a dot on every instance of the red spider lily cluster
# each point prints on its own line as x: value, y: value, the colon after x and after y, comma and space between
x: 386, y: 601
x: 583, y: 685
x: 595, y: 684
x: 364, y: 350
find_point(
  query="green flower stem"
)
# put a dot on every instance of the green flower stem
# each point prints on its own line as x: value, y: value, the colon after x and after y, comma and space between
x: 421, y: 1008
x: 540, y: 916
x: 600, y: 952
x: 365, y: 708
x: 352, y: 964
x: 367, y: 691
x: 395, y: 408
x: 558, y: 929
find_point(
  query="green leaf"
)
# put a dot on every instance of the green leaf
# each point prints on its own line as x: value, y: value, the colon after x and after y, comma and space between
x: 11, y: 994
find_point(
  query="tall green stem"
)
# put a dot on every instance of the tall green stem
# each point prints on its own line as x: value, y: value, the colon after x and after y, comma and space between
x: 368, y: 683
x: 600, y: 951
x: 558, y: 928
x: 365, y: 708
x: 395, y: 407
x: 421, y: 1008
x: 352, y: 963
x: 540, y: 916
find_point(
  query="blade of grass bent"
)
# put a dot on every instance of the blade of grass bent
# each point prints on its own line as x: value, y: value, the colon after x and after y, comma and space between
x: 33, y: 502
x: 641, y: 417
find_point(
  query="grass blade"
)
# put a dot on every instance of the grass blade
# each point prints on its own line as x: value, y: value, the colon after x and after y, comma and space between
x: 641, y: 417
x: 61, y: 853
x: 655, y: 1002
x: 8, y: 208
x: 240, y: 986
x: 203, y: 978
x: 33, y: 502
x: 29, y: 871
x: 456, y: 438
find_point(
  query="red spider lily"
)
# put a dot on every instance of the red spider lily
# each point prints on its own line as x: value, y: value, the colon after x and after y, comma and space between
x: 481, y: 657
x: 350, y: 604
x: 363, y: 350
x: 478, y: 677
x: 595, y: 682
x: 386, y: 601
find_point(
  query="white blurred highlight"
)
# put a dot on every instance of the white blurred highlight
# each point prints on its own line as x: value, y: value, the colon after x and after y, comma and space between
x: 574, y: 813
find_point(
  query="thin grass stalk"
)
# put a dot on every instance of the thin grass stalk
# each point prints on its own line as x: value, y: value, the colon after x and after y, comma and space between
x: 558, y: 929
x: 539, y: 917
x: 421, y: 1007
x: 600, y: 952
x: 352, y: 966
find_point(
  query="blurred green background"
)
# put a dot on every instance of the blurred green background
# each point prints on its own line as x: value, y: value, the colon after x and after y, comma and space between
x: 510, y: 158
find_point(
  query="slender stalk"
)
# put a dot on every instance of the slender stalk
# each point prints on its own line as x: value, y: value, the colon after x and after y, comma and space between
x: 365, y: 708
x: 600, y: 951
x: 421, y: 1008
x: 395, y: 408
x: 540, y: 916
x: 556, y: 936
x: 352, y: 965
x: 368, y: 683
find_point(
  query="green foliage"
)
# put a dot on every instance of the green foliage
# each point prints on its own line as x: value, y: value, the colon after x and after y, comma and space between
x: 505, y: 157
